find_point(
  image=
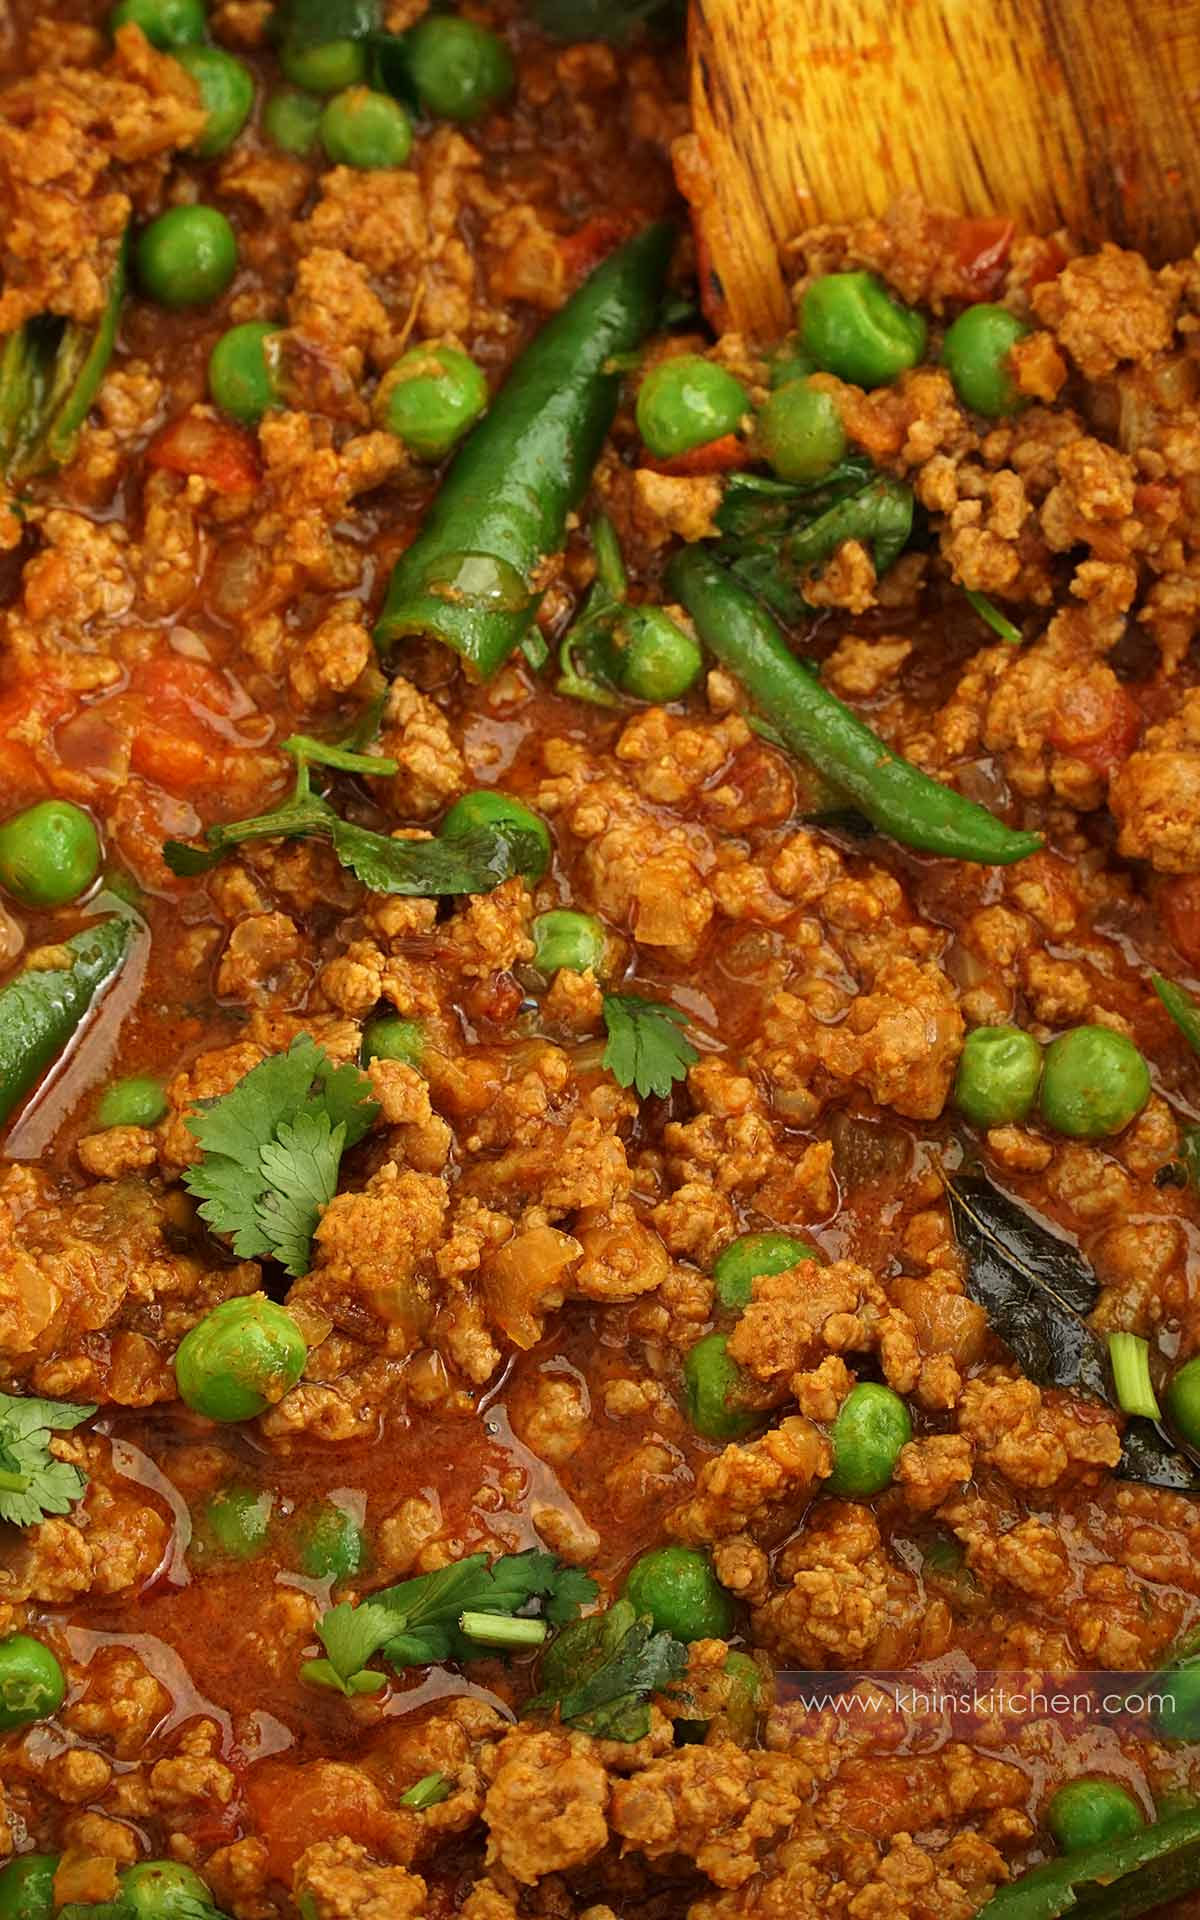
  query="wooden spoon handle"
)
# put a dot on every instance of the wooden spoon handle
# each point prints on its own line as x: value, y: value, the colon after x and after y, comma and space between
x: 1059, y: 112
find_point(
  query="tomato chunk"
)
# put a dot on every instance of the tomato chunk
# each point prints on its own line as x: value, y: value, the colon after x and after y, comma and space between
x: 982, y: 248
x: 724, y: 455
x: 1096, y: 720
x: 184, y: 713
x: 218, y: 452
x: 294, y: 1806
x: 1178, y: 903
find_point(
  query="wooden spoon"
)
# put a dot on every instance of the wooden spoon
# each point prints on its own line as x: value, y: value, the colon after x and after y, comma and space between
x: 1075, y: 113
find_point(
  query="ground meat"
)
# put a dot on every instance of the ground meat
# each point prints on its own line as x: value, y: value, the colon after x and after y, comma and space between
x: 546, y: 1805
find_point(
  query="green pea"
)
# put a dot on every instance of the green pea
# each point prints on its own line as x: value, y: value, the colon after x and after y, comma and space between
x: 487, y: 807
x: 572, y: 940
x: 226, y: 94
x: 1089, y: 1813
x: 460, y: 71
x: 713, y: 1386
x: 325, y: 69
x: 801, y: 432
x: 32, y: 1684
x: 163, y: 1890
x: 364, y: 129
x: 789, y: 362
x: 238, y: 1519
x: 240, y: 1359
x: 744, y: 1700
x: 291, y: 119
x: 49, y: 854
x: 187, y: 257
x: 27, y: 1887
x: 677, y: 1587
x: 331, y: 1542
x: 167, y: 24
x: 975, y: 355
x: 872, y: 1426
x: 242, y: 372
x: 852, y: 326
x: 1183, y: 1401
x: 687, y: 401
x: 1094, y: 1083
x: 657, y: 659
x: 430, y: 398
x: 998, y: 1075
x: 391, y: 1038
x: 750, y: 1256
x: 140, y: 1101
x: 1178, y: 1716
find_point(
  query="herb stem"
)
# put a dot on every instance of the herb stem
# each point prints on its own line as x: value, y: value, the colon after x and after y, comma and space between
x: 427, y: 1792
x: 501, y: 1630
x: 991, y: 615
x: 1129, y: 1356
x: 13, y: 1482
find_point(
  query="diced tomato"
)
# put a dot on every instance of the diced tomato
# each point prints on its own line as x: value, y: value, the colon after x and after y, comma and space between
x: 184, y: 713
x: 26, y: 708
x: 1178, y: 903
x: 982, y: 248
x: 593, y: 242
x: 725, y: 455
x: 1096, y: 720
x: 1048, y: 262
x: 295, y: 1806
x: 222, y: 454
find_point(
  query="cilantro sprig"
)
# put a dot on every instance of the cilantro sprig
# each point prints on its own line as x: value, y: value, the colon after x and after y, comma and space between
x: 454, y: 1613
x: 601, y: 1672
x: 476, y: 861
x: 272, y: 1149
x: 32, y: 1482
x: 646, y: 1048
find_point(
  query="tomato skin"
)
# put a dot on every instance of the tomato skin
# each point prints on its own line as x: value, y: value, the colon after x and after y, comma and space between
x: 593, y: 242
x: 294, y: 1806
x: 182, y: 706
x: 216, y: 450
x: 1096, y: 720
x: 981, y: 248
x: 727, y: 454
x: 1178, y: 904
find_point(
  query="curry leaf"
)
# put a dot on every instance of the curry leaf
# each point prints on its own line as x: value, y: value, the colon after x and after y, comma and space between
x: 1150, y: 1456
x: 1035, y: 1286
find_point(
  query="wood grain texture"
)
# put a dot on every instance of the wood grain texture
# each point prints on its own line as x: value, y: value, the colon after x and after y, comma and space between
x: 1076, y: 113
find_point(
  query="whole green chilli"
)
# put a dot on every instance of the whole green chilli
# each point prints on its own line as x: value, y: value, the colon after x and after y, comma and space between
x: 42, y: 1008
x: 896, y: 797
x: 470, y: 577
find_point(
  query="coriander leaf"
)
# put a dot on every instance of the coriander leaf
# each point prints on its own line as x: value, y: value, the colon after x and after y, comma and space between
x: 416, y: 1623
x: 325, y: 753
x: 601, y: 1672
x: 474, y: 862
x: 571, y: 1590
x: 301, y: 1165
x: 302, y: 813
x: 272, y: 1148
x: 645, y: 1048
x: 32, y: 1482
x: 353, y: 1635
